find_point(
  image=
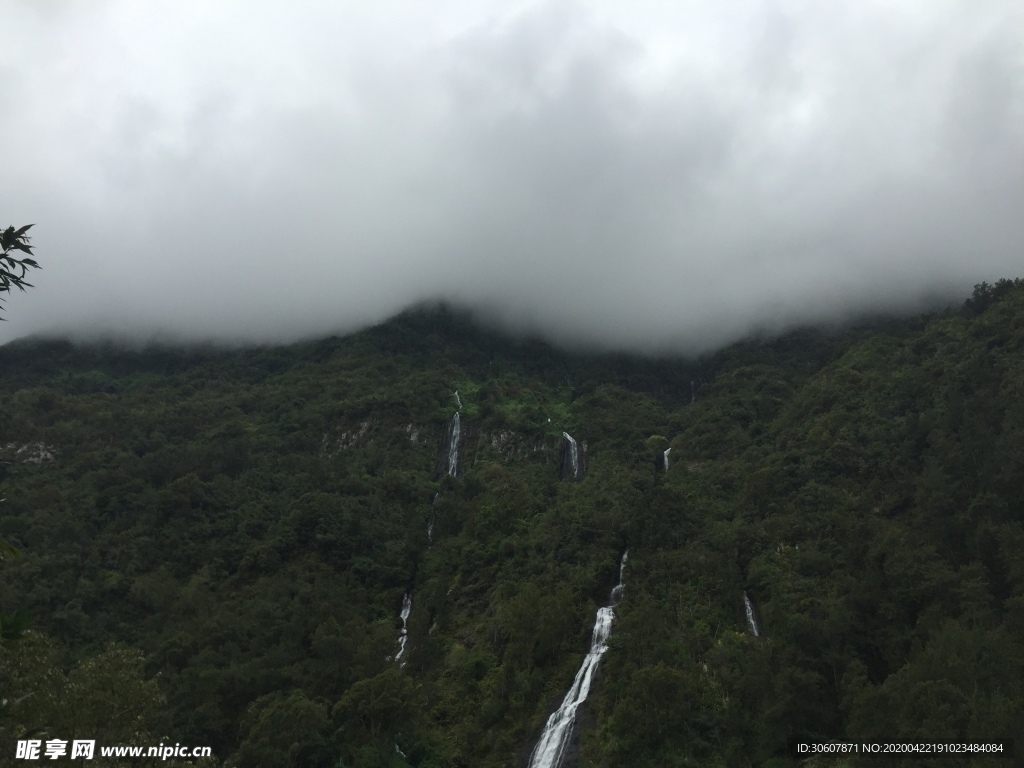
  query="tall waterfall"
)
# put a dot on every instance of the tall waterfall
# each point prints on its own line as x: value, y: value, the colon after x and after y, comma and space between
x: 458, y: 400
x: 664, y: 458
x: 554, y: 741
x: 752, y: 623
x: 402, y: 638
x: 453, y: 446
x: 574, y: 455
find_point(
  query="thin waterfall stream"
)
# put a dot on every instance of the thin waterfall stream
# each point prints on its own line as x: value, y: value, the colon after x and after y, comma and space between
x: 558, y: 732
x: 448, y: 464
x: 752, y: 623
x: 404, y: 636
x: 574, y: 455
x: 453, y: 446
x: 431, y: 519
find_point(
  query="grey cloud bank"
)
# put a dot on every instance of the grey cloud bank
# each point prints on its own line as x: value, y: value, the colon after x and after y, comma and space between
x: 602, y: 174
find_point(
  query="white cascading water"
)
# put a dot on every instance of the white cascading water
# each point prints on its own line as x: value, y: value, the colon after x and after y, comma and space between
x: 453, y: 446
x: 751, y: 619
x: 664, y: 458
x: 458, y: 400
x: 406, y: 610
x: 574, y: 456
x: 554, y: 741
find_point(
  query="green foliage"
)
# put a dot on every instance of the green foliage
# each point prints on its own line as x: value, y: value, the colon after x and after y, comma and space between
x: 104, y: 697
x: 279, y: 731
x: 251, y: 520
x: 13, y: 270
x: 984, y: 294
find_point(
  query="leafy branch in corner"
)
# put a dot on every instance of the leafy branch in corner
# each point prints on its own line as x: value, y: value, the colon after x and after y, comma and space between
x: 12, y: 273
x: 12, y: 270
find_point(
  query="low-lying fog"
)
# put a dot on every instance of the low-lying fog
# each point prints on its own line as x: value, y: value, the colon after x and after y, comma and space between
x: 612, y: 174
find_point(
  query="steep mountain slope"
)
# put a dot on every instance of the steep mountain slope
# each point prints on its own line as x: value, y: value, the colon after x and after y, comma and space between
x: 254, y: 522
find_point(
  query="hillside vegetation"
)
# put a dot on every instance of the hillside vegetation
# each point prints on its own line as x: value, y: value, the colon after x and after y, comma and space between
x: 221, y: 542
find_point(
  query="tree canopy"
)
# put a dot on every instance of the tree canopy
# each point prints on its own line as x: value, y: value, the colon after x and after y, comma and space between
x: 251, y: 521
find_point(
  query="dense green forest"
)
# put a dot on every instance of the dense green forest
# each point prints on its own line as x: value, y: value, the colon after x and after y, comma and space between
x: 215, y: 545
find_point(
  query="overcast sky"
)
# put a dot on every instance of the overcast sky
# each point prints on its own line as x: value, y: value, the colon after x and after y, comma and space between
x: 635, y: 175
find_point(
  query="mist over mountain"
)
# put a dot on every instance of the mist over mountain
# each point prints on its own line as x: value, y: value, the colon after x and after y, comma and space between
x: 617, y: 176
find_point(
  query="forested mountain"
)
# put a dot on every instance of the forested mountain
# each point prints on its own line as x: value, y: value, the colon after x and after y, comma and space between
x: 246, y: 527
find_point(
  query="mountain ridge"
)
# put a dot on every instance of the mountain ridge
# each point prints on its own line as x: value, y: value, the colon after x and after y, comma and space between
x: 251, y: 520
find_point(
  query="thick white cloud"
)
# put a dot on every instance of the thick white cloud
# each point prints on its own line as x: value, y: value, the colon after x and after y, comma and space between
x: 603, y: 173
